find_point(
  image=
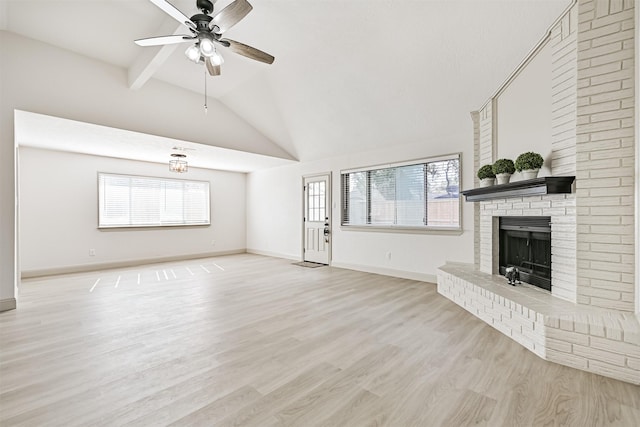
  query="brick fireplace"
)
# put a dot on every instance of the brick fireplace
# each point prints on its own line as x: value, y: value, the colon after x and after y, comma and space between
x: 560, y: 208
x: 588, y: 319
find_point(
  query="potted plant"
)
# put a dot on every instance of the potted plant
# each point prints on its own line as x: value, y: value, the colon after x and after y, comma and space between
x: 503, y: 168
x: 486, y: 176
x: 529, y: 164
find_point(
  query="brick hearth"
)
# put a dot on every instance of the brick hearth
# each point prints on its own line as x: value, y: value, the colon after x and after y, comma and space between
x: 606, y: 342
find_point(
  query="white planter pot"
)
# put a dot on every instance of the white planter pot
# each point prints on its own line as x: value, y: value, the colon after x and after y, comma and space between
x: 503, y: 178
x: 530, y: 173
x: 487, y: 182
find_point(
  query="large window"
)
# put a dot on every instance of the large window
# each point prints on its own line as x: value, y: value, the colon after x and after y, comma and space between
x: 420, y: 194
x: 141, y: 201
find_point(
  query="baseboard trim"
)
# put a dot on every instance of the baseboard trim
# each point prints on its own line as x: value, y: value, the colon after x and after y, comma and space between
x: 30, y: 274
x: 7, y: 304
x: 422, y: 277
x: 274, y: 254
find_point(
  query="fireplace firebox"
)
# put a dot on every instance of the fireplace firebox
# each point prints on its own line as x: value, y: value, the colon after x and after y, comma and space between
x: 525, y: 243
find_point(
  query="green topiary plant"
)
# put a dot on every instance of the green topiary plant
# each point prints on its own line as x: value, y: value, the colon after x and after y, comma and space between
x: 486, y: 171
x: 503, y: 166
x: 529, y: 160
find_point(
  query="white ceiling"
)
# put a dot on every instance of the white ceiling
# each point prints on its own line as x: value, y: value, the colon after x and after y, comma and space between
x: 349, y: 75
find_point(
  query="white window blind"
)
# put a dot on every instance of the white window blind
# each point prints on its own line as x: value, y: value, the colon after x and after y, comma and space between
x: 140, y: 201
x: 422, y: 194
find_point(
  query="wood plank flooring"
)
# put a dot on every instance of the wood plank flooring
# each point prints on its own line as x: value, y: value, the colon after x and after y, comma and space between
x: 246, y: 340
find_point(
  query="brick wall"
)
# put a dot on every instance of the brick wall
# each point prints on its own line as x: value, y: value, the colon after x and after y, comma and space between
x: 486, y: 134
x: 484, y: 141
x: 605, y: 154
x: 592, y: 110
x: 564, y: 69
x: 475, y: 116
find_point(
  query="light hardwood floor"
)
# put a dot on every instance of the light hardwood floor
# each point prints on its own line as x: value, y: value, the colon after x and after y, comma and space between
x: 246, y: 340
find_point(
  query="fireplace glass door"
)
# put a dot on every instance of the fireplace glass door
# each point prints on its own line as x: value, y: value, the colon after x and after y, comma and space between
x: 525, y: 243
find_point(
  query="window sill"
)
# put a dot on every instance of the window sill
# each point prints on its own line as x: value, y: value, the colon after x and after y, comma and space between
x: 404, y: 230
x: 148, y: 227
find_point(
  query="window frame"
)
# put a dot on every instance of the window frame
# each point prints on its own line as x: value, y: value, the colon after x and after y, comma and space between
x: 411, y: 229
x: 150, y: 226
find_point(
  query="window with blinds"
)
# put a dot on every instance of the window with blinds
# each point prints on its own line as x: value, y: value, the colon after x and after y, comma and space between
x: 141, y: 201
x: 420, y: 194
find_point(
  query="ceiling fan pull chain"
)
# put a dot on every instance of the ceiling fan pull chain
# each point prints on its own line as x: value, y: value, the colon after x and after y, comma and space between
x: 205, y: 92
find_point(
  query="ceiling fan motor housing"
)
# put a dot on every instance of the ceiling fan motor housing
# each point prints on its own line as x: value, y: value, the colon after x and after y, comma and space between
x: 202, y: 21
x: 206, y: 6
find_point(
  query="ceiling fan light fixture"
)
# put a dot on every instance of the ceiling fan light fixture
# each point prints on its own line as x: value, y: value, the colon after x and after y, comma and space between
x: 217, y: 59
x: 193, y: 53
x: 207, y: 48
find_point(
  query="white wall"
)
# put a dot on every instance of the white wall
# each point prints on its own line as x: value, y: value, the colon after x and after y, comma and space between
x: 524, y: 113
x: 274, y: 215
x: 59, y: 214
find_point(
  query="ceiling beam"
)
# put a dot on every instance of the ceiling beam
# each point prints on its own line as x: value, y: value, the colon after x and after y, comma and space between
x: 152, y: 58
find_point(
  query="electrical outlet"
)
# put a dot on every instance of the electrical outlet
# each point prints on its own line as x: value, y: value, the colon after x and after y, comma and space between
x: 92, y: 252
x: 389, y: 255
x: 213, y: 243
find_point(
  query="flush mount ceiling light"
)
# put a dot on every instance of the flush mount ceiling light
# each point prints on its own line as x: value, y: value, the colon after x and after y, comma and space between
x: 178, y: 164
x: 206, y: 33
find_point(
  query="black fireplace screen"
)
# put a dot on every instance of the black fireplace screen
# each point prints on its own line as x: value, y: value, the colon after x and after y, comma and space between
x: 525, y: 243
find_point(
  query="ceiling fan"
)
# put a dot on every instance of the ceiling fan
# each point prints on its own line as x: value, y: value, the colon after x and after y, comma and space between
x: 206, y: 32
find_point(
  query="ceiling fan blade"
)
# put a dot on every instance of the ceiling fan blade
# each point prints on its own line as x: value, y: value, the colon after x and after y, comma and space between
x: 156, y: 41
x: 213, y: 70
x: 172, y: 11
x: 248, y: 51
x: 230, y: 16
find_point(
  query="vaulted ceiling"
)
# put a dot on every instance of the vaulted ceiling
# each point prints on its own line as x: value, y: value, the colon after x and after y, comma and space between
x: 349, y: 75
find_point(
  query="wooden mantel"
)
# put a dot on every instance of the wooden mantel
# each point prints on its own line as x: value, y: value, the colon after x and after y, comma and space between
x: 528, y: 187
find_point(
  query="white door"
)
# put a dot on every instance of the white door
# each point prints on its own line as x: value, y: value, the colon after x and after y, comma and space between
x: 317, y: 226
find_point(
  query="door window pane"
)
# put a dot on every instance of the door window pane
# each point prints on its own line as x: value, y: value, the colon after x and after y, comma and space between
x: 316, y: 201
